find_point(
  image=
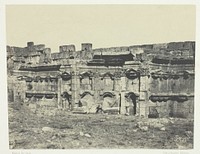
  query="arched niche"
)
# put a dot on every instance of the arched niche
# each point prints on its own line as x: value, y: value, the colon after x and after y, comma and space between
x: 108, y: 94
x: 132, y: 74
x: 109, y: 101
x: 184, y: 74
x: 28, y: 79
x: 107, y: 80
x: 132, y: 79
x: 86, y: 93
x: 86, y: 80
x: 131, y: 100
x: 107, y: 75
x: 87, y: 102
x: 87, y: 74
x: 65, y: 76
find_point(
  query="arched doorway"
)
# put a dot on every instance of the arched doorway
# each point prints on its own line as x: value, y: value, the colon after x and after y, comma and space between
x: 66, y: 100
x: 131, y: 103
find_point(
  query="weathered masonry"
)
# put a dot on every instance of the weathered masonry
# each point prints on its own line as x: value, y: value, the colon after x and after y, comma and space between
x: 155, y: 80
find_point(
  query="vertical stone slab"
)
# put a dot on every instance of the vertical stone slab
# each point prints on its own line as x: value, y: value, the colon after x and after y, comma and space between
x: 143, y: 108
x: 75, y: 84
x: 73, y: 89
x: 93, y: 83
x: 59, y: 92
x: 77, y: 87
x: 143, y: 99
x: 118, y: 85
x: 123, y: 83
x: 143, y: 83
x: 23, y: 90
x: 122, y: 109
x: 137, y: 107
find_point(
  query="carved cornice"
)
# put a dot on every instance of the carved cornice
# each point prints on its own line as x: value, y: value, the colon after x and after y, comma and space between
x: 170, y: 75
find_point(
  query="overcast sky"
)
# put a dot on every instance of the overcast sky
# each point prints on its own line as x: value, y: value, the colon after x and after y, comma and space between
x: 101, y: 25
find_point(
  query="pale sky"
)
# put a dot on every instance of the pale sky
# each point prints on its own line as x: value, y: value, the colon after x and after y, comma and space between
x: 101, y: 25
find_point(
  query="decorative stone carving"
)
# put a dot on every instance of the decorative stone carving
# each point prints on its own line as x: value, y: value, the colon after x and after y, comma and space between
x: 161, y: 98
x: 85, y: 93
x: 118, y: 74
x: 107, y: 74
x: 169, y: 75
x: 86, y: 74
x: 65, y: 76
x: 132, y: 74
x: 144, y: 71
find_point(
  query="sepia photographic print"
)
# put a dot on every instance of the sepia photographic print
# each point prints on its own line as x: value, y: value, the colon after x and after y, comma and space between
x: 101, y: 76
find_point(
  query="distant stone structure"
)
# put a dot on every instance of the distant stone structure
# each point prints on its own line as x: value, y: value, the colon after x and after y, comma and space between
x: 155, y: 80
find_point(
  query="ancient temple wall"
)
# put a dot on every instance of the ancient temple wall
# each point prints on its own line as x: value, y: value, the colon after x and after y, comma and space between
x: 19, y: 90
x: 143, y: 95
x: 132, y: 85
x: 35, y: 91
x: 104, y: 79
x: 173, y: 86
x: 170, y: 85
x: 172, y: 108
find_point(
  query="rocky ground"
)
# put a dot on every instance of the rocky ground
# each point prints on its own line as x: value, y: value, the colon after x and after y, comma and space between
x: 56, y: 129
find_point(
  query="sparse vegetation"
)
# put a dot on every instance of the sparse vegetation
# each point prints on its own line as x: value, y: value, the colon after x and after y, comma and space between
x: 64, y: 130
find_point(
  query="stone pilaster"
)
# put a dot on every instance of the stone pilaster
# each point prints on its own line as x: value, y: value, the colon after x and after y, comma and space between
x: 123, y: 83
x: 75, y: 85
x: 59, y: 92
x: 123, y: 90
x: 123, y: 108
x: 143, y: 99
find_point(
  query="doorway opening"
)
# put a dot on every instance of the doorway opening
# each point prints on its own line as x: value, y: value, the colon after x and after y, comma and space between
x: 131, y: 97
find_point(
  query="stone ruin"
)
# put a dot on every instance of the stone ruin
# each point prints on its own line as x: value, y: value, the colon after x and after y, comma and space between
x: 155, y: 80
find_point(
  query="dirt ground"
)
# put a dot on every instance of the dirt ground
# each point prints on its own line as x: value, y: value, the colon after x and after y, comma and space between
x: 64, y: 130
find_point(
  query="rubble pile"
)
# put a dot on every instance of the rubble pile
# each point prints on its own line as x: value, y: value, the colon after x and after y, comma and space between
x: 61, y: 129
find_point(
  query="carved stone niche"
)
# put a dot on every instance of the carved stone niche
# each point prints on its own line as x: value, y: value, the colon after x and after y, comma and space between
x: 86, y: 80
x: 107, y: 74
x: 66, y: 76
x: 28, y: 79
x: 132, y: 74
x: 184, y: 74
x: 86, y: 74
